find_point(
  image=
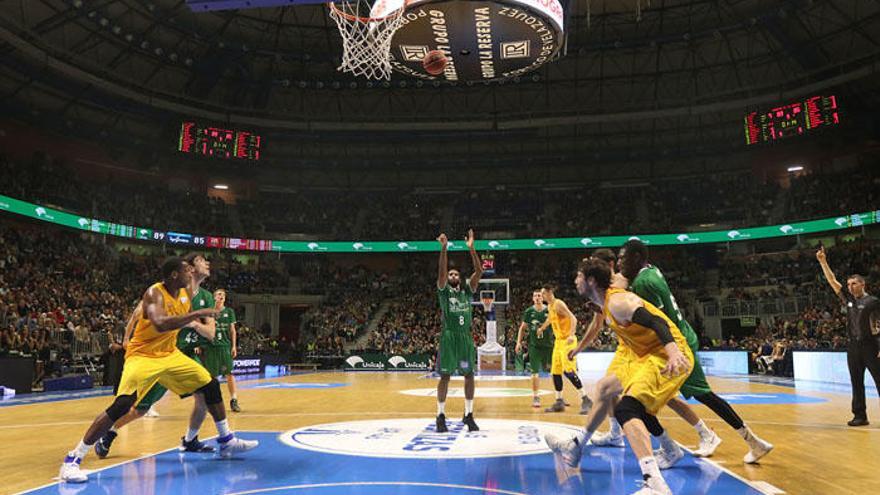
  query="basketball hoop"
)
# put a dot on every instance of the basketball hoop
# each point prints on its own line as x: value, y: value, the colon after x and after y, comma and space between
x: 487, y: 298
x: 366, y: 29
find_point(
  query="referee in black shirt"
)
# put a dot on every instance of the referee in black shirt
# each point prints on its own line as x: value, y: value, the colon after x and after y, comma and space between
x: 863, y: 330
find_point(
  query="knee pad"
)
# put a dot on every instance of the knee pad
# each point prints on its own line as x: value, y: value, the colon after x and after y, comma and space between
x: 120, y: 407
x: 574, y: 379
x: 653, y: 425
x: 557, y: 383
x: 211, y: 391
x: 629, y: 408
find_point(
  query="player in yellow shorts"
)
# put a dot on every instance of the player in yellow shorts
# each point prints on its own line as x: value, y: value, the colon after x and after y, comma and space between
x: 152, y: 357
x: 661, y: 363
x: 564, y: 324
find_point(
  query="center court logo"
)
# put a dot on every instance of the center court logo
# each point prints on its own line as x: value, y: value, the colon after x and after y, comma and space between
x: 417, y: 438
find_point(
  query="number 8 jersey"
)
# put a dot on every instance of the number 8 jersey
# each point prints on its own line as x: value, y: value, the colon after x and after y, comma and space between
x: 455, y: 303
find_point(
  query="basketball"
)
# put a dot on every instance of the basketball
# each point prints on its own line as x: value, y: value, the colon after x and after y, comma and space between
x: 434, y: 62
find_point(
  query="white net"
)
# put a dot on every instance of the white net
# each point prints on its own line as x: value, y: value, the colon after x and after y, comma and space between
x: 367, y: 28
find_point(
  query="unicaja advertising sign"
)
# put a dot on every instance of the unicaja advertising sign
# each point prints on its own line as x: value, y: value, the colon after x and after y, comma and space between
x: 370, y: 361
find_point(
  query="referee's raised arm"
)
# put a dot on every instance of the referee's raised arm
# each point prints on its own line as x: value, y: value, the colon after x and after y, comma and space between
x: 826, y: 270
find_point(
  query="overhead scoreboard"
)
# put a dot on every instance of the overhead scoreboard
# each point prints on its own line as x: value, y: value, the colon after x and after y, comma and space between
x: 218, y: 142
x: 793, y: 119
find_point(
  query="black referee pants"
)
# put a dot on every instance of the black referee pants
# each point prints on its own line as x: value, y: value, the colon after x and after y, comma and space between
x: 860, y: 356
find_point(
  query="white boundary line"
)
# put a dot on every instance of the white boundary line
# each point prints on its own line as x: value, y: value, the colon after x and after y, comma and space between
x: 90, y: 472
x: 379, y: 483
x: 724, y: 469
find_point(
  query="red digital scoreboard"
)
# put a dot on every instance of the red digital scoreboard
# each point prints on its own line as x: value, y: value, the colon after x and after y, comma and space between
x: 794, y: 119
x: 218, y: 142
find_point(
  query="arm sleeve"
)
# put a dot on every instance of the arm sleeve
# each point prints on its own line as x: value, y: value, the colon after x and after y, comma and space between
x: 644, y: 318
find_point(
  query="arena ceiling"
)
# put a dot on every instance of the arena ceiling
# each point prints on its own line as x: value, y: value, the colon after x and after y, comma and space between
x: 679, y: 77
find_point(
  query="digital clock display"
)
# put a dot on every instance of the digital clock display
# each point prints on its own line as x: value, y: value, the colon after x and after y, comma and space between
x: 794, y: 119
x: 219, y: 142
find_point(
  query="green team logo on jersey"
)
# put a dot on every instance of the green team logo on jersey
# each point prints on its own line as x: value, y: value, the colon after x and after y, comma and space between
x: 534, y: 319
x: 456, y: 307
x: 225, y: 320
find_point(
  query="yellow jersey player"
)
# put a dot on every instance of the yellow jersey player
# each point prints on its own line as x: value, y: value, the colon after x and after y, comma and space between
x: 152, y: 357
x: 564, y: 324
x: 662, y: 363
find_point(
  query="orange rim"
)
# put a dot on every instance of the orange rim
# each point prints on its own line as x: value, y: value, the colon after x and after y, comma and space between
x: 353, y: 18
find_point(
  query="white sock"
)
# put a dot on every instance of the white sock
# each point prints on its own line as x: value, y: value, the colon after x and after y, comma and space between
x: 192, y: 433
x: 234, y: 397
x: 748, y: 436
x: 703, y: 430
x: 615, y: 426
x: 650, y: 470
x: 667, y: 443
x: 583, y: 391
x: 559, y: 395
x: 81, y: 450
x: 113, y: 429
x: 468, y: 406
x: 441, y: 408
x: 585, y: 436
x: 222, y: 428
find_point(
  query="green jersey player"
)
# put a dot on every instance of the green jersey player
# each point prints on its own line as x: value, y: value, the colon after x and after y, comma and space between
x: 540, y: 346
x: 219, y: 353
x: 457, y: 354
x: 648, y: 282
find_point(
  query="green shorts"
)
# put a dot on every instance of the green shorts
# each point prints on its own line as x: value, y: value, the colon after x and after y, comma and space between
x: 217, y: 360
x: 458, y: 356
x: 539, y: 358
x: 158, y: 390
x: 696, y: 384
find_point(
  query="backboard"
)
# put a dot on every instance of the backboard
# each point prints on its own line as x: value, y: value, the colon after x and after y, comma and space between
x: 499, y: 286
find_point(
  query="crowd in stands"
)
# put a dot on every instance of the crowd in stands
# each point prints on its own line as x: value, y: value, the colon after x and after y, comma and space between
x: 652, y: 205
x: 66, y: 296
x: 58, y: 289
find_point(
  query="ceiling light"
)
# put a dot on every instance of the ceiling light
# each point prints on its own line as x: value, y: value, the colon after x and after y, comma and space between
x: 795, y: 168
x: 221, y: 187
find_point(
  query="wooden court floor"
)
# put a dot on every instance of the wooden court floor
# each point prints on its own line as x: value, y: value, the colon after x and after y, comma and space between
x: 816, y: 453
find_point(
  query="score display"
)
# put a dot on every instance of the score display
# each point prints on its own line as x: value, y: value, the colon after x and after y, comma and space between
x: 794, y: 119
x: 218, y: 142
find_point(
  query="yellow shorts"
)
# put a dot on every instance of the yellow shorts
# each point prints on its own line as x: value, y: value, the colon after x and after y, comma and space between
x: 620, y: 363
x: 645, y: 383
x: 176, y: 372
x: 560, y: 363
